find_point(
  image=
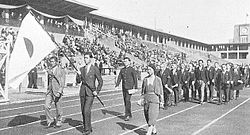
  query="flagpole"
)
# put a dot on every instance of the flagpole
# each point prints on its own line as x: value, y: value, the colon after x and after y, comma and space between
x: 6, y: 73
x: 65, y: 55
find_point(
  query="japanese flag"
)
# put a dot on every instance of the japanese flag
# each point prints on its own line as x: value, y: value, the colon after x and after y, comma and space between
x: 32, y: 45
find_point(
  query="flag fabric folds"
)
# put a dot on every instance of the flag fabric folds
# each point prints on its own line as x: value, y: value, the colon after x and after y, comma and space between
x: 32, y: 45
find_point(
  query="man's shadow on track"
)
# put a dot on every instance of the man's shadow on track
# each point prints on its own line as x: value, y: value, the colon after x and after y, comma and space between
x: 125, y: 126
x: 21, y: 120
x: 114, y: 113
x: 74, y: 123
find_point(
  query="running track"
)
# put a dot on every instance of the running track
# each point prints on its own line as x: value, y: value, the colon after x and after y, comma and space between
x: 185, y: 119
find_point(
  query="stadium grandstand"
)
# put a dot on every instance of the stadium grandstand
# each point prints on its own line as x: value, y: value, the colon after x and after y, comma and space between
x: 78, y: 29
x: 60, y: 18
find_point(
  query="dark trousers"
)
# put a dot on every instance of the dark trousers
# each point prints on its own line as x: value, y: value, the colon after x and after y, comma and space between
x: 231, y: 92
x: 127, y: 103
x: 166, y: 98
x: 211, y: 90
x: 237, y: 93
x: 32, y: 81
x: 185, y: 92
x: 219, y: 94
x: 176, y: 95
x: 226, y: 89
x: 86, y: 105
x: 193, y: 91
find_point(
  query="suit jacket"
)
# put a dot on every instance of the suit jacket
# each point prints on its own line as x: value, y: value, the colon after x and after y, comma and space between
x: 210, y: 72
x: 175, y: 78
x: 185, y: 76
x: 90, y: 79
x: 56, y: 84
x: 200, y: 74
x: 33, y: 72
x: 218, y: 77
x: 128, y: 77
x: 157, y: 86
x: 225, y: 77
x: 235, y: 77
x: 192, y: 76
x: 165, y: 77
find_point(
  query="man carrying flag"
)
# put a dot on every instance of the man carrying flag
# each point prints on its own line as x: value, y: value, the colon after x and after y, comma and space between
x: 32, y: 45
x: 56, y: 79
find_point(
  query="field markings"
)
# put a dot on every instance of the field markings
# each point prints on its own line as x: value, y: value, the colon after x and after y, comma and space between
x: 30, y: 106
x: 59, y: 131
x: 215, y: 120
x: 168, y: 116
x: 39, y: 121
x: 69, y: 106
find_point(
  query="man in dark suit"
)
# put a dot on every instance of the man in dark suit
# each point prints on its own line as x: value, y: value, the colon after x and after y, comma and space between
x: 129, y: 81
x: 175, y: 83
x: 210, y: 72
x: 164, y: 74
x: 32, y: 76
x: 217, y: 82
x: 200, y: 75
x: 184, y: 81
x: 88, y: 76
x: 225, y: 82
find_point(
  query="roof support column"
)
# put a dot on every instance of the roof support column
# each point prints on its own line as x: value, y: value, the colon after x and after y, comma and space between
x: 138, y: 35
x: 164, y: 40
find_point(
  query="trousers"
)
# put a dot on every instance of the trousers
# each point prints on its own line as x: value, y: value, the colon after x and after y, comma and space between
x: 49, y: 99
x: 86, y: 105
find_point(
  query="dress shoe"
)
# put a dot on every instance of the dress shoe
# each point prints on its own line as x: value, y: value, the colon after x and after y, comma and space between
x: 87, y: 132
x: 127, y: 118
x: 58, y: 124
x: 154, y: 131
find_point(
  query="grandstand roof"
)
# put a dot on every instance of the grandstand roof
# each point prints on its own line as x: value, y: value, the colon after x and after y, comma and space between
x: 97, y: 15
x: 231, y: 44
x: 57, y: 7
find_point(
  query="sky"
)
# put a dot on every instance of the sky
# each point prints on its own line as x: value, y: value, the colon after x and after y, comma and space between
x: 207, y: 21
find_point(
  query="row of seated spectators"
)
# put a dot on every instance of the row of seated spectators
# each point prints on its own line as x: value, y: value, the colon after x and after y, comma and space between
x: 7, y: 36
x: 131, y: 44
x: 74, y: 47
x: 13, y: 17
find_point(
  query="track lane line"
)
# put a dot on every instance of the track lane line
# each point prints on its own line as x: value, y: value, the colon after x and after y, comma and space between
x: 52, y: 133
x: 215, y: 120
x: 6, y: 117
x: 64, y: 116
x: 129, y: 131
x: 30, y: 106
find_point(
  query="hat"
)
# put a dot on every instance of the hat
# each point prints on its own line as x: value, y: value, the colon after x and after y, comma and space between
x: 152, y: 66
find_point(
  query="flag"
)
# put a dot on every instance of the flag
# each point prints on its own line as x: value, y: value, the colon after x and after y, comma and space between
x: 32, y: 45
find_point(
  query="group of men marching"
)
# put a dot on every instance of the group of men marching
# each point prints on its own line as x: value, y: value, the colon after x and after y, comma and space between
x: 195, y: 82
x: 199, y: 82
